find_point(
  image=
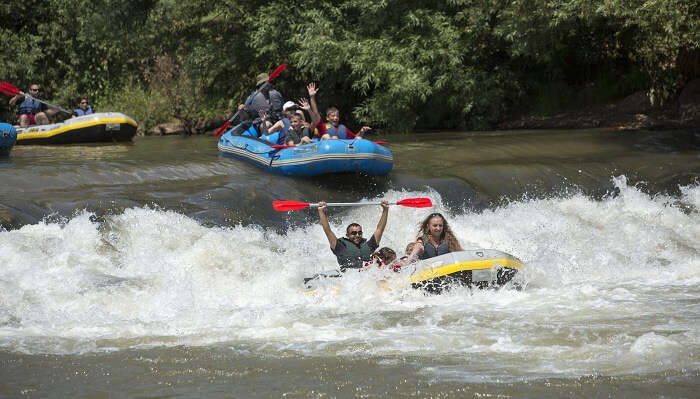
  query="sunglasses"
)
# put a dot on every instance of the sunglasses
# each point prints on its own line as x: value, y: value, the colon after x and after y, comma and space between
x: 33, y: 89
x: 355, y: 233
x: 83, y: 102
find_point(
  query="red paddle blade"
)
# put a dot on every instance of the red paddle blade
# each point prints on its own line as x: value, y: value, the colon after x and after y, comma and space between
x: 7, y: 88
x: 280, y: 146
x: 380, y: 142
x: 221, y: 129
x: 284, y: 206
x: 276, y: 72
x: 416, y: 202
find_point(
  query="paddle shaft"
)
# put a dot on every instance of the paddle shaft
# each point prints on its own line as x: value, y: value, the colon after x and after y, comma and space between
x: 284, y: 206
x: 249, y: 101
x: 50, y: 105
x: 349, y: 204
x: 11, y: 90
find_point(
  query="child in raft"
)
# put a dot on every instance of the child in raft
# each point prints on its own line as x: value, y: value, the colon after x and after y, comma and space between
x: 386, y: 256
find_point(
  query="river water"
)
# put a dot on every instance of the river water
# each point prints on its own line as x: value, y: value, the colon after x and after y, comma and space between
x: 159, y: 269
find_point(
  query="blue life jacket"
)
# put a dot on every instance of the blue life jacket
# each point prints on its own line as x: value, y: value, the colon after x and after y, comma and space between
x: 80, y: 112
x: 281, y: 139
x: 31, y: 106
x: 341, y: 132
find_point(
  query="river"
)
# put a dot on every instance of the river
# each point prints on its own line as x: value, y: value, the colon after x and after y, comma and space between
x: 159, y: 269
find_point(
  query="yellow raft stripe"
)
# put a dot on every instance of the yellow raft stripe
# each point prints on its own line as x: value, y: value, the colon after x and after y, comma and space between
x: 462, y: 266
x: 73, y: 126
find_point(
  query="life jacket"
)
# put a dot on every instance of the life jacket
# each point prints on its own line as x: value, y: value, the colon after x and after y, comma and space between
x: 319, y: 130
x: 429, y: 251
x: 80, y: 112
x: 341, y: 132
x: 282, y: 138
x: 353, y: 257
x: 30, y: 106
x: 270, y: 103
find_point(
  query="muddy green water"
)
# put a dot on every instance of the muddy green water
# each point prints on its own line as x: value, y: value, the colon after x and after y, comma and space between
x: 158, y: 269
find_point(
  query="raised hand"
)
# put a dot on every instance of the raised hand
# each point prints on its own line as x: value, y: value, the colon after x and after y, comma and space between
x: 304, y: 104
x: 312, y: 89
x: 364, y: 130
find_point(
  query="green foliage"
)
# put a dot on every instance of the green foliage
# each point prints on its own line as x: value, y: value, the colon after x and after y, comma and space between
x: 148, y: 107
x: 392, y: 64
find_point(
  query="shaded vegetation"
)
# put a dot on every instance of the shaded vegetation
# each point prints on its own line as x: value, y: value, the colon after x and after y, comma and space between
x: 388, y: 63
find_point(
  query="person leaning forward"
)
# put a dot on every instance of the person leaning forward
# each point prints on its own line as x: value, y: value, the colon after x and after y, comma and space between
x: 267, y: 99
x: 353, y: 250
x: 31, y: 110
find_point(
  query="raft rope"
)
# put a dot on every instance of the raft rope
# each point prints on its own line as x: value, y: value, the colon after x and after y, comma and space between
x: 273, y: 153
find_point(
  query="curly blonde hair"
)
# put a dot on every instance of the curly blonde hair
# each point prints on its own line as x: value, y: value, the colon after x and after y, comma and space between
x: 447, y: 234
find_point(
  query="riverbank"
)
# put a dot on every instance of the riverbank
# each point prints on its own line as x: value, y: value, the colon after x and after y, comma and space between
x: 634, y: 112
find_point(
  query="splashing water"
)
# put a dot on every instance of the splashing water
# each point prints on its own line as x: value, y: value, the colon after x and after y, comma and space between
x: 611, y: 286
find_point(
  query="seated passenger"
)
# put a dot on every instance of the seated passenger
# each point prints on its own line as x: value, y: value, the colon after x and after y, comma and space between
x: 83, y: 107
x: 288, y: 109
x: 436, y: 237
x: 387, y: 257
x: 338, y: 131
x: 318, y: 128
x: 31, y: 110
x: 381, y: 257
x: 297, y: 133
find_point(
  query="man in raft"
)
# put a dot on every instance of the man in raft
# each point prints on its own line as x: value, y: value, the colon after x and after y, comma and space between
x: 267, y: 99
x: 353, y: 250
x: 31, y: 110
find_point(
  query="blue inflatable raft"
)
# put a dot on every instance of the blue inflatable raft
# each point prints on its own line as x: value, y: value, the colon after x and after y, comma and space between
x: 8, y: 138
x: 317, y: 158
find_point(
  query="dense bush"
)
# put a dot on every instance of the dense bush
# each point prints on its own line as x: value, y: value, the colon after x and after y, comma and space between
x: 145, y: 105
x: 394, y: 64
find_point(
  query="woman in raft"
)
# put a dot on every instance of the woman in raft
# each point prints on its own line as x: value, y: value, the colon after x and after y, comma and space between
x: 435, y: 237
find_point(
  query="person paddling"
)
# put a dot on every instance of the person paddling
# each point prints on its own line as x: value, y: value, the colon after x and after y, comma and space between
x: 32, y: 111
x: 353, y: 250
x: 266, y: 99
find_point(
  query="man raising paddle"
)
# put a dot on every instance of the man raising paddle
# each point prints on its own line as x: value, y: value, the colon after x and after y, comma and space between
x: 353, y: 250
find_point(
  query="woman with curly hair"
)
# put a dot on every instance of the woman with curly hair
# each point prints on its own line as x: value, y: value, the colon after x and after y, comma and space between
x: 435, y: 237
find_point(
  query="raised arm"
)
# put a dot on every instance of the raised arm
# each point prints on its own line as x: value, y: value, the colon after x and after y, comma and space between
x: 304, y: 104
x: 332, y: 239
x: 382, y: 222
x: 363, y: 130
x: 313, y: 90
